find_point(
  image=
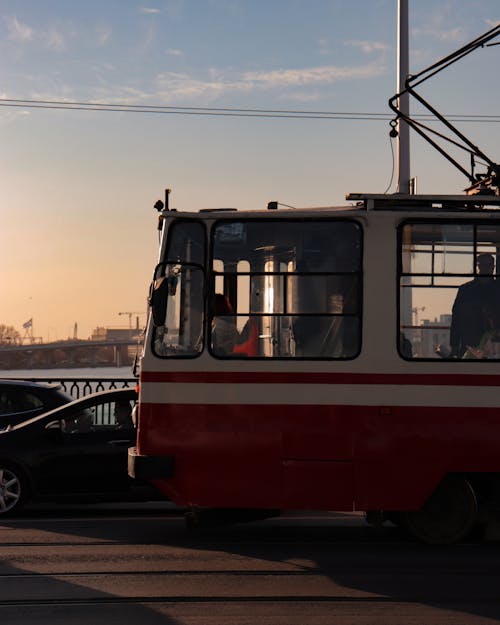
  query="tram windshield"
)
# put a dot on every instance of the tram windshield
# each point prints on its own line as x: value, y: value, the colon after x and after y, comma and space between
x: 274, y: 289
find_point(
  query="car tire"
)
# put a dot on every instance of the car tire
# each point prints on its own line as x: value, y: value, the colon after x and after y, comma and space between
x: 13, y: 489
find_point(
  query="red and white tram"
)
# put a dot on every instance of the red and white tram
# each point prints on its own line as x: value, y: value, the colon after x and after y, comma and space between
x: 301, y: 359
x: 333, y: 358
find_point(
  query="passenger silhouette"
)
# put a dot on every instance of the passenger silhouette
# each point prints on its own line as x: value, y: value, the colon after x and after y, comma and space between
x: 476, y: 304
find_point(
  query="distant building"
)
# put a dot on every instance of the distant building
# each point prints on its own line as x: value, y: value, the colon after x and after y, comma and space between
x: 114, y: 334
x: 434, y: 335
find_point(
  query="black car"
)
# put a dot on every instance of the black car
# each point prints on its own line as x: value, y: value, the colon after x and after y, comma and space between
x: 21, y: 400
x: 75, y: 453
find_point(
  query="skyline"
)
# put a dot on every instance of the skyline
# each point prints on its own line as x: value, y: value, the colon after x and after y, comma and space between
x: 78, y: 234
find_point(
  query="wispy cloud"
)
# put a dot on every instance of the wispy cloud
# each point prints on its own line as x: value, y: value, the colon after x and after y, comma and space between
x: 178, y: 86
x: 302, y: 77
x: 368, y: 46
x: 232, y: 6
x: 102, y: 35
x: 324, y: 46
x: 149, y: 10
x: 439, y: 34
x: 174, y: 52
x: 17, y: 31
x: 54, y: 39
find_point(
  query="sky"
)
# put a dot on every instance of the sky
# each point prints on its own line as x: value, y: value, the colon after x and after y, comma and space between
x: 78, y: 240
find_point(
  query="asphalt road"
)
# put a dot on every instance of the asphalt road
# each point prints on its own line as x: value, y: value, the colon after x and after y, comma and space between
x: 139, y: 564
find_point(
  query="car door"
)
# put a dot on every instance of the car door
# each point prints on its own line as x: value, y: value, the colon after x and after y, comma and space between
x: 89, y: 453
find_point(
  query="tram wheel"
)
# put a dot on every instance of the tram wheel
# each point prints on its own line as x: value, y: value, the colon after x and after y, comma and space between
x: 448, y: 516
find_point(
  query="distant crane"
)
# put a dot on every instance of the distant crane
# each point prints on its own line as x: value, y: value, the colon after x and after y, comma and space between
x: 415, y: 311
x: 130, y: 317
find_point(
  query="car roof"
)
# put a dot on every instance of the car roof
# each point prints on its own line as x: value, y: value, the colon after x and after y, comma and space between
x: 30, y: 384
x: 80, y: 404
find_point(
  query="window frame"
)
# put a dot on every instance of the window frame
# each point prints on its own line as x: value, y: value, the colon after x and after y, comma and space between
x: 358, y: 276
x: 202, y: 267
x: 475, y: 223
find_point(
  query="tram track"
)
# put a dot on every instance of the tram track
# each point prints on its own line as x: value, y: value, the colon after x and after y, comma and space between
x: 277, y: 599
x: 243, y: 573
x: 284, y: 572
x: 247, y: 585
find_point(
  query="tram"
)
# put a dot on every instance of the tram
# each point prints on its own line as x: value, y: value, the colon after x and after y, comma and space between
x: 327, y: 359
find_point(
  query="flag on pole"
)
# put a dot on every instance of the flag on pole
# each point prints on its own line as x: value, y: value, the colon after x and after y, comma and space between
x: 28, y: 324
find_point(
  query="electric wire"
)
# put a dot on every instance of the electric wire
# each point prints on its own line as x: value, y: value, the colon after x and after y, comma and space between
x: 417, y: 119
x: 227, y: 111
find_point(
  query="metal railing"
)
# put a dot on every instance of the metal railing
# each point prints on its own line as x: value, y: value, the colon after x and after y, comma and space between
x: 80, y: 387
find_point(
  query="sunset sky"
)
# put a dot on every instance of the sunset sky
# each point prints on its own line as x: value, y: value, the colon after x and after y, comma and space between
x: 77, y: 240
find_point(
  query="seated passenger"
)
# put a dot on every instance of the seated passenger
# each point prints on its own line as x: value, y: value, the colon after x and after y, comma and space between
x: 405, y: 346
x: 489, y: 343
x: 123, y: 415
x: 226, y: 340
x: 224, y: 332
x: 248, y: 340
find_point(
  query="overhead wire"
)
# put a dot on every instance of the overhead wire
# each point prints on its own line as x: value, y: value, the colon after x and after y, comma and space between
x: 242, y: 112
x: 226, y: 111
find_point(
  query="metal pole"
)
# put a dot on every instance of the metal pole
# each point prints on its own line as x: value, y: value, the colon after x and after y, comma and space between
x: 403, y: 146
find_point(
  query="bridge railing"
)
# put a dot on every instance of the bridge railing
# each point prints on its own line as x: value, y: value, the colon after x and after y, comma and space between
x: 80, y: 387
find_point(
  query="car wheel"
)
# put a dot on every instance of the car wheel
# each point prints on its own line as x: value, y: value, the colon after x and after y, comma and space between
x: 13, y: 490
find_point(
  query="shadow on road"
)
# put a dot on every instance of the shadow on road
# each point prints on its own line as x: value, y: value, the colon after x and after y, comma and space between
x: 460, y: 582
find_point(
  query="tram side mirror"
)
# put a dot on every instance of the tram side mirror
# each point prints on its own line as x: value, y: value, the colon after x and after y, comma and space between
x: 158, y: 300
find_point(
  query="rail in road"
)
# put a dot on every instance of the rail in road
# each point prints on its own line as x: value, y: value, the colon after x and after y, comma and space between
x: 141, y: 565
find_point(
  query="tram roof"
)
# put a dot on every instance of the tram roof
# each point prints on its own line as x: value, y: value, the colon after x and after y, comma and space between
x: 398, y: 201
x: 361, y: 202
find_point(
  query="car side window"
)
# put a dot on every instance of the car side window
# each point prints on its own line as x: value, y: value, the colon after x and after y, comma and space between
x: 29, y: 401
x: 81, y: 422
x: 18, y: 401
x: 109, y: 416
x: 5, y: 403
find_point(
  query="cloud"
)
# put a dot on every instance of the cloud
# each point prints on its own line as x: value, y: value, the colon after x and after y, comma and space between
x: 174, y: 52
x: 369, y: 46
x: 440, y: 34
x: 17, y: 31
x: 303, y: 77
x: 102, y: 35
x: 178, y: 86
x: 54, y: 39
x: 324, y: 46
x: 149, y: 10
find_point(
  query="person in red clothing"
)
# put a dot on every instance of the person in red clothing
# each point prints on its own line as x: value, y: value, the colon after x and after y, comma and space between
x: 226, y: 340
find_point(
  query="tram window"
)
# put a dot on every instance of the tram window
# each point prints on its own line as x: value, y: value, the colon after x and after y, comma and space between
x: 186, y: 243
x: 180, y: 331
x: 449, y: 293
x: 291, y: 289
x: 179, y: 281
